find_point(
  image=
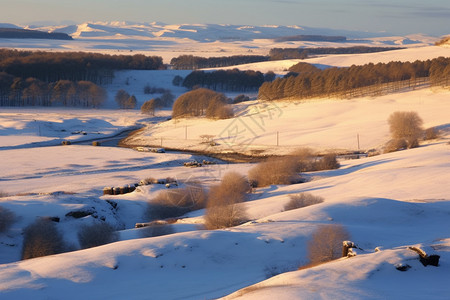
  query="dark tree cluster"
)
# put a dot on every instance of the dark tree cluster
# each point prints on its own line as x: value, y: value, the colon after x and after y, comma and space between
x: 202, y: 102
x: 125, y: 100
x: 338, y: 81
x: 149, y: 107
x: 190, y: 62
x: 74, y: 66
x: 226, y: 80
x: 311, y: 38
x: 18, y: 33
x: 302, y: 53
x: 15, y: 91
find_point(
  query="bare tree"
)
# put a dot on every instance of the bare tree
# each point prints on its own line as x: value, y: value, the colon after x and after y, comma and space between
x: 42, y: 238
x: 96, y: 235
x: 7, y: 218
x: 302, y: 200
x: 225, y: 207
x: 406, y: 125
x: 326, y: 243
x: 149, y: 107
x: 283, y: 170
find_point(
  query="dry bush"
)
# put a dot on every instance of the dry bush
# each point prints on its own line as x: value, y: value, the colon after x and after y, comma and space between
x: 406, y: 125
x: 96, y: 235
x: 430, y: 134
x: 282, y: 170
x: 223, y: 209
x: 327, y: 162
x: 395, y: 145
x: 149, y: 107
x: 42, y: 238
x: 7, y: 218
x: 302, y: 200
x: 307, y: 160
x: 326, y: 243
x: 176, y: 202
x: 156, y: 229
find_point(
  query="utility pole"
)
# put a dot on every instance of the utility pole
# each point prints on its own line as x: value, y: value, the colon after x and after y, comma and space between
x: 357, y: 136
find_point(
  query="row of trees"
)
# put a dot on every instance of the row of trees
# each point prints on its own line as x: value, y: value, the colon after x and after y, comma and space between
x: 338, y: 81
x: 74, y: 66
x: 190, y: 62
x: 302, y: 53
x: 230, y: 80
x: 202, y: 102
x: 15, y: 91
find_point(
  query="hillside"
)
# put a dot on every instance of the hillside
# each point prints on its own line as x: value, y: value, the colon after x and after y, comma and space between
x: 207, y: 40
x: 17, y: 33
x: 387, y: 202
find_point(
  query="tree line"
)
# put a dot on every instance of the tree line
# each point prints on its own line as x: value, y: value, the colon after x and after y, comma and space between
x: 18, y: 33
x: 15, y: 91
x: 338, y: 81
x: 74, y: 66
x: 190, y: 62
x: 302, y: 53
x: 229, y: 80
x: 311, y: 38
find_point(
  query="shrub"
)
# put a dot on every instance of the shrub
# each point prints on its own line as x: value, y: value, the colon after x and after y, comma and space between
x: 407, y: 126
x: 42, y: 238
x: 395, y: 145
x: 7, y: 218
x: 431, y: 134
x: 302, y: 200
x: 282, y: 170
x: 149, y: 107
x: 307, y: 160
x: 241, y: 98
x: 223, y: 209
x: 326, y: 243
x: 176, y: 202
x: 96, y: 235
x: 121, y: 98
x: 157, y: 229
x: 327, y: 162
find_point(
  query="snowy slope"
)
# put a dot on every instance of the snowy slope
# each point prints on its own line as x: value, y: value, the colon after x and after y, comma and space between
x: 325, y: 124
x: 380, y: 200
x: 389, y: 201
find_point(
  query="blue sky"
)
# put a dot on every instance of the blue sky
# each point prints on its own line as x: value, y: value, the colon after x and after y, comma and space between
x: 395, y: 16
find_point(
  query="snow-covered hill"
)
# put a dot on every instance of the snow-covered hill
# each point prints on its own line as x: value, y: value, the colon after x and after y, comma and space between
x: 390, y: 201
x: 171, y: 40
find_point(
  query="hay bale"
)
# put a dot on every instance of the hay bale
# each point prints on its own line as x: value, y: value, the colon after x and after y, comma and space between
x: 65, y: 143
x: 96, y: 143
x: 108, y: 191
x: 124, y: 189
x: 116, y: 191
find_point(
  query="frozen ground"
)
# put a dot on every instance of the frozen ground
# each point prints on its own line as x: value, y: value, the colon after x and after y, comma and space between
x: 390, y: 201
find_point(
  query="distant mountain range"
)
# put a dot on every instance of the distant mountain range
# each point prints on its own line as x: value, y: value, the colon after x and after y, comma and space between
x: 196, y: 32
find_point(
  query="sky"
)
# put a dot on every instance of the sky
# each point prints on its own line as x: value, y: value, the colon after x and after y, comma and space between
x: 396, y: 16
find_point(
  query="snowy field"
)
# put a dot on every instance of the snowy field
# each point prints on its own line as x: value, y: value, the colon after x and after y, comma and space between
x: 389, y: 201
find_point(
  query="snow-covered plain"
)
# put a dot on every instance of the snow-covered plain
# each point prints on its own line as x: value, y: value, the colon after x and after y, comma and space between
x: 171, y: 40
x: 390, y: 201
